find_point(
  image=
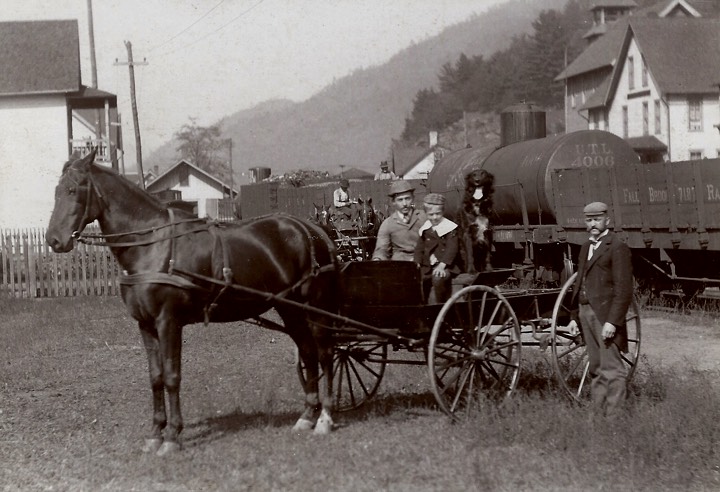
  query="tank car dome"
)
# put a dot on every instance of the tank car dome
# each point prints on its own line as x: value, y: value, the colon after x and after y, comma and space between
x: 521, y: 122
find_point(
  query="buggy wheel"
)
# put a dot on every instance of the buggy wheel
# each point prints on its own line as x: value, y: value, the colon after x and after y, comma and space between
x: 474, y: 350
x: 569, y: 353
x: 358, y: 369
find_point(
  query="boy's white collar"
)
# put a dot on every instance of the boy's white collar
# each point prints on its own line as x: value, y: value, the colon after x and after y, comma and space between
x: 446, y: 225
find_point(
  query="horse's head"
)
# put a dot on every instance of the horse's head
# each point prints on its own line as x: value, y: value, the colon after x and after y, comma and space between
x: 367, y: 218
x: 76, y: 203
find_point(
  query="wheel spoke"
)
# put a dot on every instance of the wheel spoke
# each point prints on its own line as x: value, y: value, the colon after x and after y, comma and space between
x: 474, y: 351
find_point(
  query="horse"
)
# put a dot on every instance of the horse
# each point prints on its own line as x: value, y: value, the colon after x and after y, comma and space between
x: 178, y: 269
x: 474, y: 221
x: 368, y: 218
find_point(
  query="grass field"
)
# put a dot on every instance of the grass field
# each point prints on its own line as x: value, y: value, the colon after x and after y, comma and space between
x: 75, y: 407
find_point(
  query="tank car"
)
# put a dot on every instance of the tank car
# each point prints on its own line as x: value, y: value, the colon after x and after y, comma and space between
x: 669, y: 213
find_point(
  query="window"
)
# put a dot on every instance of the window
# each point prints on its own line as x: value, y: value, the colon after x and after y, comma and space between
x: 625, y: 121
x: 631, y: 73
x: 646, y: 119
x: 658, y: 117
x: 695, y: 114
x: 184, y: 176
x: 572, y: 99
x: 696, y: 155
x: 644, y: 73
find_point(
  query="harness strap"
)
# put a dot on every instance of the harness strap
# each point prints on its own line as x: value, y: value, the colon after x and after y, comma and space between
x: 226, y: 270
x: 158, y: 278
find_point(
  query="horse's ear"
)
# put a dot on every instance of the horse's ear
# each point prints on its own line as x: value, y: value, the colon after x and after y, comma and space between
x: 85, y: 162
x: 369, y: 200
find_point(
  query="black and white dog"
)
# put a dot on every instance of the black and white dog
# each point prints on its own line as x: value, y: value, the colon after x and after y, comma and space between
x: 474, y: 221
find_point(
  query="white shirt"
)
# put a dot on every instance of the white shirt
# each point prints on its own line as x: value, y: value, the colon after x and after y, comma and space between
x: 595, y: 243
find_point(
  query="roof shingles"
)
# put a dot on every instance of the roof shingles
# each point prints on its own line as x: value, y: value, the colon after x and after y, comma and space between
x: 39, y: 57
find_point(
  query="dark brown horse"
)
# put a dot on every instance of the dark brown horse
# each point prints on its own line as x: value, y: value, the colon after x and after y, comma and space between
x: 179, y: 270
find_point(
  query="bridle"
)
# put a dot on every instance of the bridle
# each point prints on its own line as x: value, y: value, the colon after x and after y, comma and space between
x: 102, y: 239
x: 85, y: 218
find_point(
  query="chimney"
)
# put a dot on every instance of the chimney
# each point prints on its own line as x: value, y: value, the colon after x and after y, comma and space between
x: 433, y: 139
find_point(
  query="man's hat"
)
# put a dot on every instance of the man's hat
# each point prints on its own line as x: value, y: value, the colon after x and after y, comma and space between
x: 434, y: 199
x: 400, y: 186
x: 383, y: 164
x: 344, y: 182
x: 595, y: 208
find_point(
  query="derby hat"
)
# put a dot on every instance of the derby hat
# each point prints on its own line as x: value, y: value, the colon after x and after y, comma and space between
x: 400, y: 186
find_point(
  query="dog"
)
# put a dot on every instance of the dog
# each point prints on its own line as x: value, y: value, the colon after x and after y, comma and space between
x: 474, y: 221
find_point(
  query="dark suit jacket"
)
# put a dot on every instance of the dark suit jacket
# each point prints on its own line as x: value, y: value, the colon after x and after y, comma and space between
x: 608, y: 282
x: 444, y: 248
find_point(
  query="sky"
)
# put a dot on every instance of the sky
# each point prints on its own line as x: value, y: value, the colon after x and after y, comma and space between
x: 207, y: 59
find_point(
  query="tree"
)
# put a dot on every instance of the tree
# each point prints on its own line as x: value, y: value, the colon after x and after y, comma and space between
x: 203, y: 147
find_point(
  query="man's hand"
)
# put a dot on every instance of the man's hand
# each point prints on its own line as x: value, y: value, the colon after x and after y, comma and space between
x: 608, y: 330
x: 573, y: 328
x: 439, y: 270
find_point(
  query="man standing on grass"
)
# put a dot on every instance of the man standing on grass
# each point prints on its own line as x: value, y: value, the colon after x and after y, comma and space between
x: 604, y: 290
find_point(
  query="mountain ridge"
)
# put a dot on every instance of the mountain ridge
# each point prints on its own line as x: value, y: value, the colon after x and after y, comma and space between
x: 352, y: 121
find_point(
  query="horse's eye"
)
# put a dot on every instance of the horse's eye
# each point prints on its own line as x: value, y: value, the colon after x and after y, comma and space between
x: 71, y: 190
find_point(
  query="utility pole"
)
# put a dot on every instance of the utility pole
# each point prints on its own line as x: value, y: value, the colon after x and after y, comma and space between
x: 93, y: 62
x: 93, y: 71
x: 138, y: 146
x: 232, y: 184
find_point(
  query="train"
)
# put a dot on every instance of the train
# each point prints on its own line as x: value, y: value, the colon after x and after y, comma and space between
x: 667, y: 212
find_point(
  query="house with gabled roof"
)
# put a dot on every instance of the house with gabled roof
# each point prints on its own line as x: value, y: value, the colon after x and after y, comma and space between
x: 417, y: 161
x: 195, y: 186
x: 652, y: 80
x: 43, y: 105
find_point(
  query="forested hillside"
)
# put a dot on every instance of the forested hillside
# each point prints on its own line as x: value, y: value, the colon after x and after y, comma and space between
x: 352, y: 122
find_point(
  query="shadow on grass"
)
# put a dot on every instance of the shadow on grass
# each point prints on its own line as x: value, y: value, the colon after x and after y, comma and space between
x: 213, y: 428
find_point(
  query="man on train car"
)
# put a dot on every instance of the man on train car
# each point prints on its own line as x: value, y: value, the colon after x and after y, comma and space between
x: 604, y: 290
x: 398, y: 234
x: 344, y: 206
x: 385, y: 172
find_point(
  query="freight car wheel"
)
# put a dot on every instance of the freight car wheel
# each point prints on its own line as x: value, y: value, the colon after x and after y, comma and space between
x: 358, y: 369
x: 569, y: 353
x: 474, y: 350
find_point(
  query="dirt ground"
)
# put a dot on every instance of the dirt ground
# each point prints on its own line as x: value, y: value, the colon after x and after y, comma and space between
x: 672, y: 339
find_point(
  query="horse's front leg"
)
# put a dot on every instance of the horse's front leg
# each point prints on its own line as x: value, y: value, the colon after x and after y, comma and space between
x: 155, y: 369
x: 170, y: 336
x: 325, y: 353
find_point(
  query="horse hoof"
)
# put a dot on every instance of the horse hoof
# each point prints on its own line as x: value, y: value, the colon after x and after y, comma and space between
x: 324, y: 425
x: 302, y: 425
x: 152, y: 445
x: 168, y: 447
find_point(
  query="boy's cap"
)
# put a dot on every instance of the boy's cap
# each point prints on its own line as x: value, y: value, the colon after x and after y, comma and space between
x: 434, y: 199
x: 595, y: 208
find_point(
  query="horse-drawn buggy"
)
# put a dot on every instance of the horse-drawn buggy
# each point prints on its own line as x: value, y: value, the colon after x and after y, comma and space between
x: 471, y: 344
x: 344, y: 317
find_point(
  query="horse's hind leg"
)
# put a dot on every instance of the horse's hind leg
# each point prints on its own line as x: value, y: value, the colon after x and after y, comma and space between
x: 155, y: 368
x: 308, y: 354
x: 325, y: 351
